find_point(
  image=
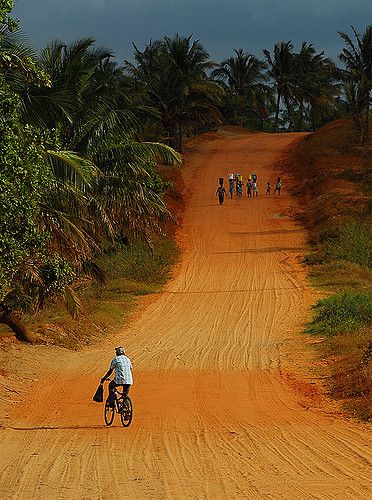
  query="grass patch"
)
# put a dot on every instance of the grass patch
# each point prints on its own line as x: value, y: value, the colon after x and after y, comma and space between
x: 341, y: 313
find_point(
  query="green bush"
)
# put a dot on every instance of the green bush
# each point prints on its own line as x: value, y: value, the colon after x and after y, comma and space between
x: 344, y: 312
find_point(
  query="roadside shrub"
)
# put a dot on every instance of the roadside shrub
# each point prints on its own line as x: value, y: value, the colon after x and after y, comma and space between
x: 344, y: 312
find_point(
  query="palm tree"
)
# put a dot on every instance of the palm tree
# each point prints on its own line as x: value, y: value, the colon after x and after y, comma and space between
x: 262, y: 103
x: 244, y: 80
x: 357, y: 56
x: 315, y: 78
x: 281, y: 72
x: 173, y: 74
x: 102, y: 130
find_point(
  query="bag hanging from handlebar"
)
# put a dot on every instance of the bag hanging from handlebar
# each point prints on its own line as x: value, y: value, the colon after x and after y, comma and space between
x: 98, y: 395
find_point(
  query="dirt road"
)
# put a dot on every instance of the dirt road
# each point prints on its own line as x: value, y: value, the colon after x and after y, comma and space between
x: 220, y: 404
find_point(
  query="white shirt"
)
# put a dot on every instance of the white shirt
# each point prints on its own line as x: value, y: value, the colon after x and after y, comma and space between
x: 123, y: 369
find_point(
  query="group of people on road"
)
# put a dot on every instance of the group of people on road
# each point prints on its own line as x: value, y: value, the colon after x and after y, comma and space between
x: 236, y: 185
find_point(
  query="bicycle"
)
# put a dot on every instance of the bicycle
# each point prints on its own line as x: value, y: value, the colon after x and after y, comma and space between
x: 123, y: 406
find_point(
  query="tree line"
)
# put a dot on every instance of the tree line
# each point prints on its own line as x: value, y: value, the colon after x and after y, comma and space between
x: 81, y: 135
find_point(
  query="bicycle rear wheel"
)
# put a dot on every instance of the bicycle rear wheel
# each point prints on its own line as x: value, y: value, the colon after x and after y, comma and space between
x: 126, y: 413
x: 109, y: 414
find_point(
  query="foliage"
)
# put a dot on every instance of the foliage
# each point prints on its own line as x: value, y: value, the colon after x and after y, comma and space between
x: 340, y: 313
x: 6, y: 6
x: 305, y: 81
x: 357, y: 56
x: 247, y: 97
x: 23, y: 179
x: 78, y: 177
x: 138, y: 262
x: 171, y: 74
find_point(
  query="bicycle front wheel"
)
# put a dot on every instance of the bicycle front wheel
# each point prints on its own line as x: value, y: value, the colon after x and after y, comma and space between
x: 126, y: 413
x: 109, y: 414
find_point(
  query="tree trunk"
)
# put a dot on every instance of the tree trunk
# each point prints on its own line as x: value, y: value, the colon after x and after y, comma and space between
x: 179, y: 139
x: 7, y: 317
x: 313, y: 118
x: 301, y: 124
x: 366, y: 124
x: 277, y: 113
x: 174, y: 132
x: 290, y: 114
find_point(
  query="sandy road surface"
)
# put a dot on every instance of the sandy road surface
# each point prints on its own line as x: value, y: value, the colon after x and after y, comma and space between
x: 215, y: 416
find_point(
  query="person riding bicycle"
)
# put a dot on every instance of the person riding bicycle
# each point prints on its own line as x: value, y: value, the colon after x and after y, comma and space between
x: 123, y: 374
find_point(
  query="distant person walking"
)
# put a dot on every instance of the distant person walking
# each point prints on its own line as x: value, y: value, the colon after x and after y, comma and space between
x: 236, y: 184
x: 240, y: 189
x: 278, y: 186
x: 254, y: 189
x: 231, y: 187
x: 249, y: 188
x: 268, y: 188
x: 221, y: 192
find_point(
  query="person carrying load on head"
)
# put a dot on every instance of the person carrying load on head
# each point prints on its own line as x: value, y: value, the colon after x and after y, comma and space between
x: 249, y: 188
x: 236, y: 184
x: 231, y: 187
x: 240, y: 188
x: 254, y: 189
x: 221, y: 192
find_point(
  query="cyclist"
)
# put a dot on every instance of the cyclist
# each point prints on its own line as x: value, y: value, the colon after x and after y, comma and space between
x: 123, y: 374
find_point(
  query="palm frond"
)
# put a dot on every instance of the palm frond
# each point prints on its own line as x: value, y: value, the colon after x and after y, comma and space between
x: 72, y: 301
x: 69, y: 167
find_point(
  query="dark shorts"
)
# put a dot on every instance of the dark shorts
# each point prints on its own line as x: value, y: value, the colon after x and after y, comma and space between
x: 112, y: 387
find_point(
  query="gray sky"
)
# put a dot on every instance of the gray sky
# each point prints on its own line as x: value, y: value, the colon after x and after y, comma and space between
x: 221, y: 25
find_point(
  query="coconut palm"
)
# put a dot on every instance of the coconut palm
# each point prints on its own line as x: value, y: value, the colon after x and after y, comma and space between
x: 315, y: 78
x: 172, y: 73
x: 102, y: 130
x: 281, y: 72
x: 241, y: 72
x: 244, y: 79
x: 357, y: 56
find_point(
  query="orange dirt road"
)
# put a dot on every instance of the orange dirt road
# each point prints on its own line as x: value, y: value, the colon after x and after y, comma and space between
x: 219, y: 404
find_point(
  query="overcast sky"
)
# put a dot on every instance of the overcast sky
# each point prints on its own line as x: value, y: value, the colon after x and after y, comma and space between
x: 221, y: 25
